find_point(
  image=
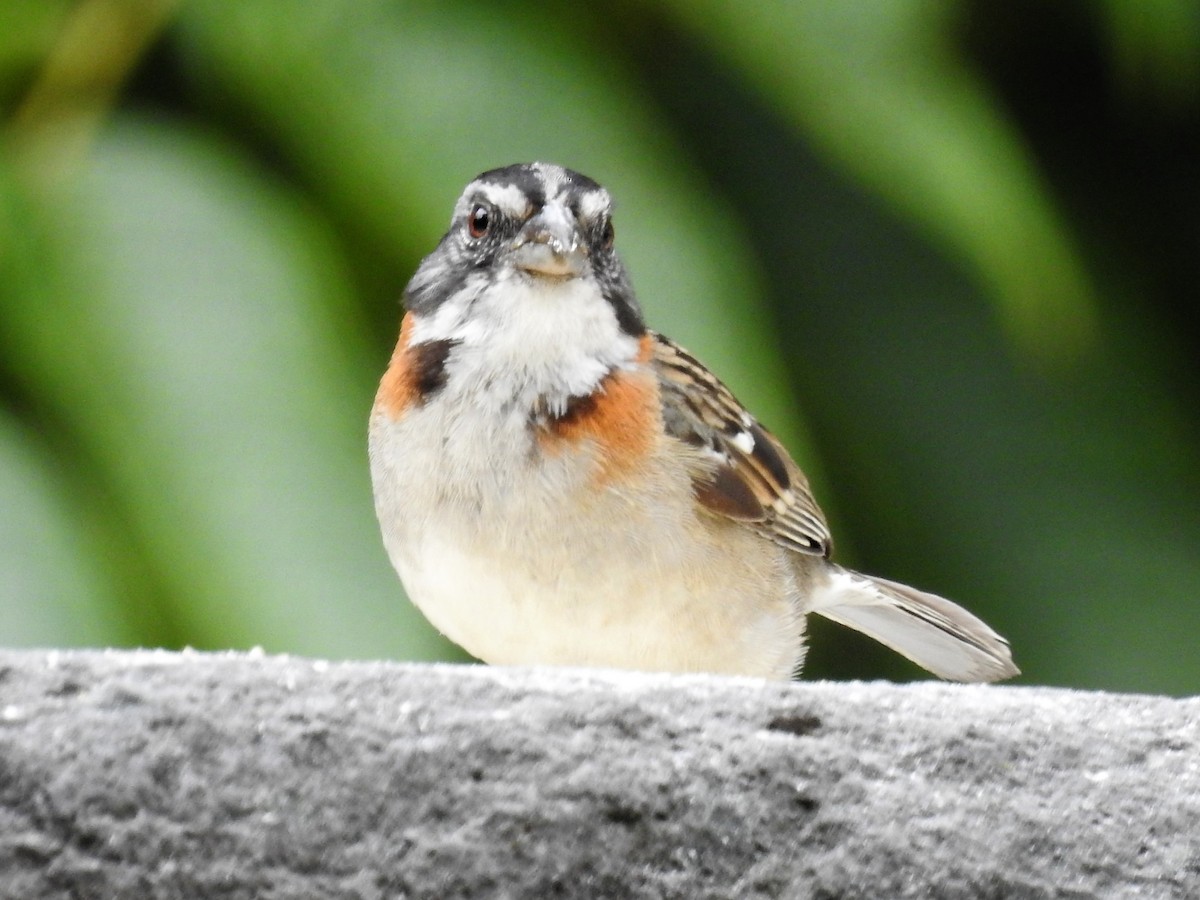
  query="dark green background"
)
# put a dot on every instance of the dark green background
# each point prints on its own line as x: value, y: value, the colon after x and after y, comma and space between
x: 950, y: 251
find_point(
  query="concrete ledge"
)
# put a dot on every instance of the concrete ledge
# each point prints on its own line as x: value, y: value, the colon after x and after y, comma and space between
x: 231, y: 776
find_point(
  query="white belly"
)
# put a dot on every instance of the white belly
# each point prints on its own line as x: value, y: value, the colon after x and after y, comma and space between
x: 524, y: 565
x: 611, y: 613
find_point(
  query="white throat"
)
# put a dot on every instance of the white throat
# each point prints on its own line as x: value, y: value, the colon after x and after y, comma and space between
x: 528, y: 337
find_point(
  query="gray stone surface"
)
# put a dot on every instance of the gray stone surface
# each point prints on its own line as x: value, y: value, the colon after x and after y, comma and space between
x: 231, y: 776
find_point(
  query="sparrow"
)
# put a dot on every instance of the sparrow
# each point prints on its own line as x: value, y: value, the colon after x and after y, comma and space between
x: 558, y: 484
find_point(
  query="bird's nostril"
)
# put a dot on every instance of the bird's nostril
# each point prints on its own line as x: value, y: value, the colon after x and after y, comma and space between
x: 552, y: 241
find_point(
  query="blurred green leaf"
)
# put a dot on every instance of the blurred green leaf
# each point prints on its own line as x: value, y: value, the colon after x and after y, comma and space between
x: 54, y: 589
x: 208, y: 354
x: 27, y: 31
x: 879, y: 87
x: 1155, y: 47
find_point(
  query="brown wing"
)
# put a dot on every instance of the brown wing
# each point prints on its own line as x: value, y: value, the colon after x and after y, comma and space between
x: 752, y: 479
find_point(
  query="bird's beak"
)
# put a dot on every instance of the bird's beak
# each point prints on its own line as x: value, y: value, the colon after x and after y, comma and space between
x: 550, y: 244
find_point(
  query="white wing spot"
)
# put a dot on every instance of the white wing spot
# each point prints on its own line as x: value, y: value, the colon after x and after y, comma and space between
x: 744, y: 441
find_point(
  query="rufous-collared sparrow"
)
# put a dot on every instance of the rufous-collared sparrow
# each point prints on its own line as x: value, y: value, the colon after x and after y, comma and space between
x: 558, y: 484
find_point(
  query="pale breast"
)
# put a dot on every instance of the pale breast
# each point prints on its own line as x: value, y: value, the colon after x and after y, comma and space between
x: 520, y: 559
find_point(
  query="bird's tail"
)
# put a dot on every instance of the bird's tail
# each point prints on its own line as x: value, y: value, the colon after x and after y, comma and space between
x: 930, y: 630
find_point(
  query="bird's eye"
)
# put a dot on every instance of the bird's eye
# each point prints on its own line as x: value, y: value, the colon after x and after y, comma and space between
x: 479, y: 221
x: 608, y: 235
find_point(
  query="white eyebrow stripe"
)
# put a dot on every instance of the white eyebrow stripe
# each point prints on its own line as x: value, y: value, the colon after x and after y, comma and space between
x: 507, y: 198
x: 593, y: 204
x: 510, y: 200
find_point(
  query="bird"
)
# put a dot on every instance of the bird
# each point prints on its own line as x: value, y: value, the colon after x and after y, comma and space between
x: 557, y: 484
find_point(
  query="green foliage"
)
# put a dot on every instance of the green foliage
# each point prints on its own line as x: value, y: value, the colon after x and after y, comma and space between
x: 885, y: 225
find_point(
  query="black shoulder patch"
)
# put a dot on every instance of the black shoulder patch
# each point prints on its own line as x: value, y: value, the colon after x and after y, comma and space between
x: 429, y: 366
